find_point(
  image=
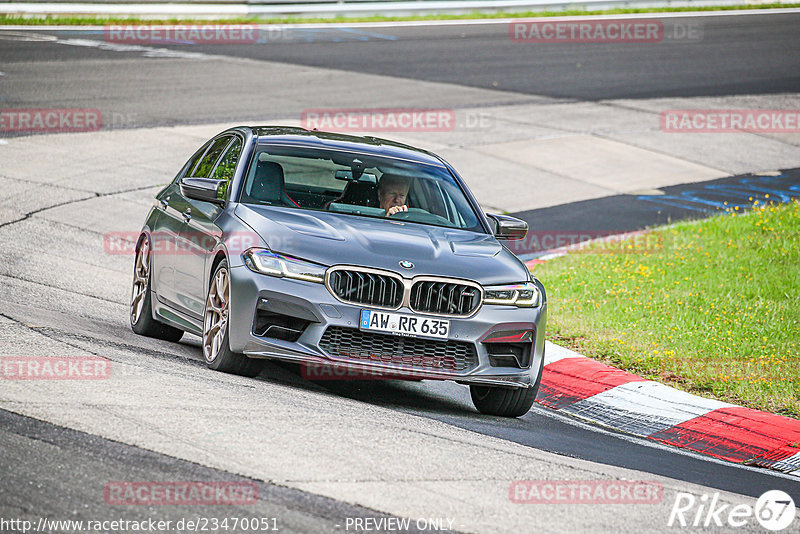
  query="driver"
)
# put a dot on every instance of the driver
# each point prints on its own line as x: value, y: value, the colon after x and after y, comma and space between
x: 393, y: 193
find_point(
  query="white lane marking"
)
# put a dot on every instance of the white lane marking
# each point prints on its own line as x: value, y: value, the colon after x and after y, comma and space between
x: 186, y: 11
x: 3, y: 142
x: 26, y: 37
x: 147, y: 51
x: 643, y: 408
x: 553, y: 353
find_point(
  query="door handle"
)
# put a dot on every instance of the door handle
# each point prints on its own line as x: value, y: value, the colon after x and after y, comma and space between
x: 187, y: 214
x: 164, y: 203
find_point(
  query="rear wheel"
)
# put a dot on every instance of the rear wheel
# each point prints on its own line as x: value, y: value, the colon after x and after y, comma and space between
x: 216, y: 346
x: 142, y: 321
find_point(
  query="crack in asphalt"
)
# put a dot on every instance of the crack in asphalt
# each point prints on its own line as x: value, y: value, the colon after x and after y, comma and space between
x: 47, y: 184
x: 39, y: 210
x: 53, y: 335
x: 42, y: 331
x: 74, y: 201
x: 84, y: 230
x: 103, y: 299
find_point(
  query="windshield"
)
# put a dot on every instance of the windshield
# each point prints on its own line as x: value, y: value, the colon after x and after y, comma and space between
x: 357, y: 184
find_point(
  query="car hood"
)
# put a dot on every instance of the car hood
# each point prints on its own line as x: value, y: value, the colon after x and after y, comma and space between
x: 332, y: 238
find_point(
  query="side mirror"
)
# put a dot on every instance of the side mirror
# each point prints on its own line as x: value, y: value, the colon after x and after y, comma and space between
x: 204, y: 189
x: 509, y: 228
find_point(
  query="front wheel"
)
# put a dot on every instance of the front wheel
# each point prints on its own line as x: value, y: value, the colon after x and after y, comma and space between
x: 216, y: 347
x: 505, y: 402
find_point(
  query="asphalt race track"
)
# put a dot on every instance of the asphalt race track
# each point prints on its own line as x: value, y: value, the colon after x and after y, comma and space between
x: 323, y: 453
x: 760, y: 55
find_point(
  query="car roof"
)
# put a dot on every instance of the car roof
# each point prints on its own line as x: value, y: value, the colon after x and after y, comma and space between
x: 291, y: 135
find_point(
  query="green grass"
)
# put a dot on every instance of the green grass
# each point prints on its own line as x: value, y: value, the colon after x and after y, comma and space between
x: 711, y: 307
x: 100, y: 21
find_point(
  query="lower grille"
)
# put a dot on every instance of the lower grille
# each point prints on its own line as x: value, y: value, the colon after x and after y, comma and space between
x: 425, y: 354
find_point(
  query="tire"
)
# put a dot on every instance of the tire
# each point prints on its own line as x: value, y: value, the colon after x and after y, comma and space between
x: 506, y: 402
x: 216, y: 346
x: 141, y: 312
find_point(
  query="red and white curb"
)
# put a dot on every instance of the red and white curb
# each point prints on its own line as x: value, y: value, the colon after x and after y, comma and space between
x: 596, y: 392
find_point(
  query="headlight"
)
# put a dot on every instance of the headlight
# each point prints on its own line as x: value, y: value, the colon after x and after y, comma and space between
x: 267, y: 262
x: 525, y: 295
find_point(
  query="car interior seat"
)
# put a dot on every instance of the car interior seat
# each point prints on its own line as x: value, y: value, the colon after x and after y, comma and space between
x: 359, y: 194
x: 269, y: 184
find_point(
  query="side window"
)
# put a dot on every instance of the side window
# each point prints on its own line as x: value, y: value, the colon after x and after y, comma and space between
x: 192, y: 163
x: 227, y: 165
x: 206, y: 165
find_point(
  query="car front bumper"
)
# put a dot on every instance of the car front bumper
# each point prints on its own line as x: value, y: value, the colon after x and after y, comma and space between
x: 315, y: 305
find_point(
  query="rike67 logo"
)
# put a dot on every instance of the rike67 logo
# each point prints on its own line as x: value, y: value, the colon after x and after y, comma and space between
x: 774, y: 511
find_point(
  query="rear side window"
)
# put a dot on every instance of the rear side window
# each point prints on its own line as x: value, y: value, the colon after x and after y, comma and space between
x: 227, y: 165
x: 228, y: 161
x: 206, y: 165
x: 192, y: 163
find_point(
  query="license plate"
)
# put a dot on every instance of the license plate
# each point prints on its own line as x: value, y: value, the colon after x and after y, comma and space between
x: 404, y: 325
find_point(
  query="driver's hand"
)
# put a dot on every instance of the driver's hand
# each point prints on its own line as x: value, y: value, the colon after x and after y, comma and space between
x: 395, y: 209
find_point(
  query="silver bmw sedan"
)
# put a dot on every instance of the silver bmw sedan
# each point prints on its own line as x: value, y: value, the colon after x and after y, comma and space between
x: 339, y: 252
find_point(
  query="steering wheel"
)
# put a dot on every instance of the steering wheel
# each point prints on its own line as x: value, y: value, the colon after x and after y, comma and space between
x: 420, y: 215
x: 401, y: 215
